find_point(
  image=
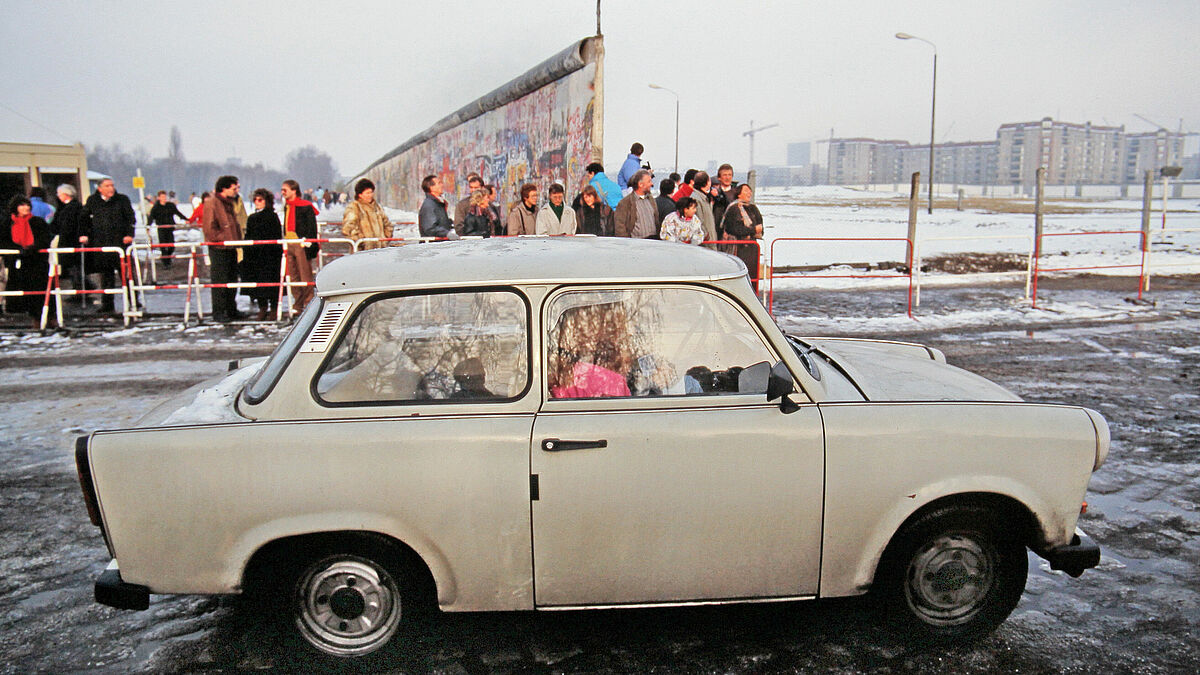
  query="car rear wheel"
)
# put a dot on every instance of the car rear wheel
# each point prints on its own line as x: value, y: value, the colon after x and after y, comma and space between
x: 347, y: 605
x: 953, y: 573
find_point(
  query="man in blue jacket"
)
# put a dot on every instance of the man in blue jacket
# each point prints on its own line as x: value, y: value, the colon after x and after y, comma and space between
x: 609, y: 191
x: 633, y: 164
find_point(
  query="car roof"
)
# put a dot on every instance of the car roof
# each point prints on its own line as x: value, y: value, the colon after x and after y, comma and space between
x: 524, y: 260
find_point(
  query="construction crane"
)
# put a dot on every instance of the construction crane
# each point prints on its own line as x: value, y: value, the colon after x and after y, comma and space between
x: 750, y: 132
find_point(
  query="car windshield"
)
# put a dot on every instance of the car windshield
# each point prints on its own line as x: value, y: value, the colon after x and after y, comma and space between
x: 260, y: 385
x: 838, y: 387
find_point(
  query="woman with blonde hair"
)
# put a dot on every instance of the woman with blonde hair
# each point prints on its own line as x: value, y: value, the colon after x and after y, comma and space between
x: 478, y: 221
x: 364, y: 218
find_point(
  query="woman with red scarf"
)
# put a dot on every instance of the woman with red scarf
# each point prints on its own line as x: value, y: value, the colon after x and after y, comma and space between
x: 27, y: 270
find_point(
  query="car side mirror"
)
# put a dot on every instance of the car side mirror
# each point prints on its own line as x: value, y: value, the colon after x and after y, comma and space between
x: 779, y: 385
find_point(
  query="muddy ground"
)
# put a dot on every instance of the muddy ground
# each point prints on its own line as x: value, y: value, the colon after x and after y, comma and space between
x: 1138, y: 612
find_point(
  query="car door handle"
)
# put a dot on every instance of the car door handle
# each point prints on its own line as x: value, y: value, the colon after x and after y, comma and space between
x: 559, y: 445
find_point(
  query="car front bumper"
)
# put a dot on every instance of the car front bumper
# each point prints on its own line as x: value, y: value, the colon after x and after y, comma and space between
x: 111, y: 590
x: 1073, y: 558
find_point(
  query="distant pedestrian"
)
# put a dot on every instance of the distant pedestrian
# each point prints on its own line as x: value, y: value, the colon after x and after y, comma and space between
x: 107, y: 221
x: 28, y: 270
x: 593, y: 215
x: 474, y: 182
x: 632, y: 164
x: 742, y: 221
x: 556, y: 218
x: 195, y: 201
x: 37, y: 202
x: 162, y: 217
x: 299, y: 222
x: 685, y: 189
x: 663, y: 201
x: 198, y: 210
x: 637, y: 214
x: 364, y: 218
x: 478, y: 220
x: 682, y: 225
x: 522, y: 217
x: 220, y: 224
x: 260, y: 262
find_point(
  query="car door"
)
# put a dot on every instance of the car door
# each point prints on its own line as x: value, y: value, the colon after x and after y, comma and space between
x: 661, y: 472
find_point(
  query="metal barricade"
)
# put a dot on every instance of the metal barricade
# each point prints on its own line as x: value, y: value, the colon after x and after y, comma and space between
x: 916, y: 266
x: 1038, y: 269
x: 908, y: 256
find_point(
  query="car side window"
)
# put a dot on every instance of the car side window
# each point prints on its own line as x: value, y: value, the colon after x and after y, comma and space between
x: 447, y: 347
x: 652, y: 342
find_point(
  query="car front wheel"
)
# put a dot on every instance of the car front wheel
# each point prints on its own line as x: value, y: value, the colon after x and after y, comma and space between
x: 953, y: 573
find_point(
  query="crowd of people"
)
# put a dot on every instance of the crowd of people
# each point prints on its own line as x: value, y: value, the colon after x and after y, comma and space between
x: 690, y: 209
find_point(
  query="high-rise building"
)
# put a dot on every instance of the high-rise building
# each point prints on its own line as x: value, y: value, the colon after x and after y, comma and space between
x: 799, y: 154
x: 1073, y: 154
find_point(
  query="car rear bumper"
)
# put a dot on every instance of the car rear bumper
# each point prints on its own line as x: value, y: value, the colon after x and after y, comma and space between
x: 1073, y: 558
x: 111, y: 590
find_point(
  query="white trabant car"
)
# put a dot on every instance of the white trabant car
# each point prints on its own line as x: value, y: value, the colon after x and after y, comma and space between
x: 566, y: 423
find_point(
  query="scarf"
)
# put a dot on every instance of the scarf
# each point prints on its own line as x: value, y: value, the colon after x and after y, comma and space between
x: 558, y: 210
x: 290, y: 224
x: 22, y: 233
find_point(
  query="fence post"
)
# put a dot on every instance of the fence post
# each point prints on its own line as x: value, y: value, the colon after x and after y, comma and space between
x: 1147, y: 198
x: 1037, y: 211
x: 914, y: 259
x: 960, y: 198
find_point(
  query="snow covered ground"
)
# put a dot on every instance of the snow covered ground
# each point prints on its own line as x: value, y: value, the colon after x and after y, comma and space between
x: 825, y: 211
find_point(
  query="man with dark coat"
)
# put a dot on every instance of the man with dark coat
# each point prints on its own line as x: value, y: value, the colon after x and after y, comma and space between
x: 162, y: 217
x: 432, y: 220
x: 107, y: 221
x: 68, y: 225
x: 664, y: 201
x: 723, y: 193
x: 220, y: 224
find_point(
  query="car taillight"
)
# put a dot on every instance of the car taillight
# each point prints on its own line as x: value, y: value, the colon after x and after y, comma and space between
x: 84, y: 469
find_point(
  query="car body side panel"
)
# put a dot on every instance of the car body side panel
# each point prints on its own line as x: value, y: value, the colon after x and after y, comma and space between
x: 884, y: 461
x: 459, y: 497
x: 681, y: 505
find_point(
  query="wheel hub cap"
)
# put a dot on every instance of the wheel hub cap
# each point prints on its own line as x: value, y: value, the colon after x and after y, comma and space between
x: 949, y: 579
x: 348, y: 607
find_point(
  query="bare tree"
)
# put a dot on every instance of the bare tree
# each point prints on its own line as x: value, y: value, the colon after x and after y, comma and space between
x: 175, y: 146
x: 310, y: 167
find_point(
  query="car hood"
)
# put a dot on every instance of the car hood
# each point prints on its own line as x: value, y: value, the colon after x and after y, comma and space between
x: 902, y: 371
x: 210, y: 402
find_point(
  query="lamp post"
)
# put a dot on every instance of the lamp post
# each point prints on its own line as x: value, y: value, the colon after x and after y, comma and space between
x: 655, y: 86
x: 932, y: 108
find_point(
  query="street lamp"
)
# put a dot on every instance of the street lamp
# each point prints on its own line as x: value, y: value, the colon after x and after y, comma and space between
x: 932, y: 108
x: 655, y: 86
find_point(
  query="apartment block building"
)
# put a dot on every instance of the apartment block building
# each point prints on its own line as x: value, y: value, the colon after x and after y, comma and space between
x: 1073, y: 154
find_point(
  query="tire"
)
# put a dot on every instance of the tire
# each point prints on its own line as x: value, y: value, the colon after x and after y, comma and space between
x: 345, y: 599
x: 953, y: 574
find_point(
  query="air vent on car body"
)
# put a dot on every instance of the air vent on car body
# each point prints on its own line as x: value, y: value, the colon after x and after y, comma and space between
x: 326, y: 328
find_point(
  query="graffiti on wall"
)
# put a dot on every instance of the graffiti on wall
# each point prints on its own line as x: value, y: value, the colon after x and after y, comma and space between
x: 548, y: 135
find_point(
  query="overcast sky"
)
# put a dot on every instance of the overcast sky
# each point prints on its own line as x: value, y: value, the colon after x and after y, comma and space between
x: 255, y: 80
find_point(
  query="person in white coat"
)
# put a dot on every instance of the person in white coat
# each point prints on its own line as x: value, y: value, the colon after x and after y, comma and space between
x: 555, y: 217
